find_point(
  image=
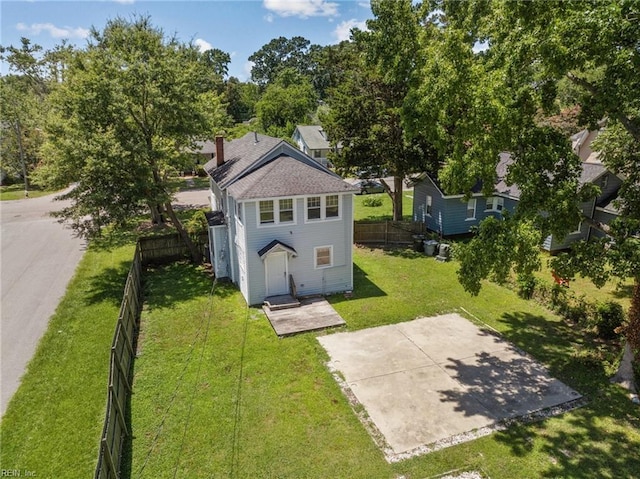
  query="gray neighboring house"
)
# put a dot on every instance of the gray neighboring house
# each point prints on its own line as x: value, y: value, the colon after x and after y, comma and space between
x: 451, y: 215
x: 313, y: 140
x: 281, y: 223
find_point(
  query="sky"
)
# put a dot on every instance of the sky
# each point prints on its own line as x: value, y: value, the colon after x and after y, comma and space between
x: 237, y: 27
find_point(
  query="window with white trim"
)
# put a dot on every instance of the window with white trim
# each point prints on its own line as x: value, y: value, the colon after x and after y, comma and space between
x: 320, y: 208
x: 604, y: 182
x: 266, y: 212
x: 578, y: 230
x: 276, y: 212
x: 323, y: 256
x: 314, y: 211
x: 331, y: 207
x: 471, y: 209
x: 286, y: 210
x: 495, y: 203
x: 429, y: 207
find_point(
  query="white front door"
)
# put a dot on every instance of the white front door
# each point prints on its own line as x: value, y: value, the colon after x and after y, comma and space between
x: 276, y: 273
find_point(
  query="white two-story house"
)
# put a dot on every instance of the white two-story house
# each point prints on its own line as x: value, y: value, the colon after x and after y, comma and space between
x: 281, y: 223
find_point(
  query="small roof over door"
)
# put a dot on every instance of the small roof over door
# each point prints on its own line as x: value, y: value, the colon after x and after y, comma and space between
x: 276, y: 246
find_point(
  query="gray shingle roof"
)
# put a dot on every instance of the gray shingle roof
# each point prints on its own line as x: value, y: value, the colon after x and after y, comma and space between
x: 286, y: 176
x: 502, y: 169
x: 269, y: 168
x: 313, y: 137
x: 591, y: 172
x: 239, y: 155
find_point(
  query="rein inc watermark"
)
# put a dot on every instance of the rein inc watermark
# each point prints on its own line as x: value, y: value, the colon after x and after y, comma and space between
x: 17, y: 473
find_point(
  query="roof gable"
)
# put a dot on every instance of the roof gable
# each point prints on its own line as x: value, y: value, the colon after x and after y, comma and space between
x: 259, y: 166
x: 239, y: 156
x: 313, y: 136
x: 287, y: 176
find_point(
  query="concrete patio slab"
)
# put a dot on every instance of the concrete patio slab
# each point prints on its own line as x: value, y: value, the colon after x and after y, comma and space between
x: 436, y: 381
x: 313, y: 314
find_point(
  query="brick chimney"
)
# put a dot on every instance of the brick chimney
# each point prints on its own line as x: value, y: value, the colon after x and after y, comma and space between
x: 219, y: 150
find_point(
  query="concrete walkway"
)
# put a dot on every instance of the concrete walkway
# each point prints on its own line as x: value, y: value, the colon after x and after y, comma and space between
x: 438, y: 381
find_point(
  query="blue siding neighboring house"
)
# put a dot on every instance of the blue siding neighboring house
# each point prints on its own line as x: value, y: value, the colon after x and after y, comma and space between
x: 278, y: 218
x: 450, y: 215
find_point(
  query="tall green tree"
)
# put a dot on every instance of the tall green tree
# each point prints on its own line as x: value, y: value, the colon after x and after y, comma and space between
x: 241, y: 98
x: 535, y: 49
x: 279, y: 54
x: 289, y: 100
x: 23, y: 94
x: 366, y: 109
x: 131, y: 105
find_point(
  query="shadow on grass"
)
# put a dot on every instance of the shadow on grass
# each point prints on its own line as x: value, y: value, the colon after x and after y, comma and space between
x: 109, y: 284
x: 363, y: 287
x: 168, y: 286
x: 582, y: 445
x: 623, y: 291
x: 560, y: 347
x: 402, y: 252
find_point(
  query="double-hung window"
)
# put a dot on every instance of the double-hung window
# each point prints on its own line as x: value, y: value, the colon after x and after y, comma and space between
x: 429, y: 206
x: 471, y: 209
x: 266, y: 212
x: 323, y: 207
x: 286, y: 210
x: 275, y: 212
x: 314, y: 209
x: 332, y: 208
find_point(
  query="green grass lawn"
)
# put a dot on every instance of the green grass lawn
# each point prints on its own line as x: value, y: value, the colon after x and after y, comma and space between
x: 217, y: 394
x: 16, y: 192
x: 53, y: 424
x: 383, y: 212
x: 613, y: 290
x: 186, y: 183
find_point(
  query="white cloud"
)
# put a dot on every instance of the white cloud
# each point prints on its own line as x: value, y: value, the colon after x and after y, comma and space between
x: 343, y: 29
x: 364, y: 4
x: 246, y: 71
x: 269, y: 17
x: 54, y: 31
x: 302, y: 8
x: 202, y: 45
x: 125, y: 2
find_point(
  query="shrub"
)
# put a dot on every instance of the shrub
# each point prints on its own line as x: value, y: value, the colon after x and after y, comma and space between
x: 373, y: 201
x: 526, y: 286
x: 610, y: 316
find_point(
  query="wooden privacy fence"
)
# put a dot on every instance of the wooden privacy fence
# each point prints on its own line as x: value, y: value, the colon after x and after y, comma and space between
x: 151, y: 250
x: 168, y: 248
x: 120, y: 374
x: 387, y: 231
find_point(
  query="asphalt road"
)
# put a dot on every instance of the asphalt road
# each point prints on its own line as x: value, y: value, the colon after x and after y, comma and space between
x: 38, y: 257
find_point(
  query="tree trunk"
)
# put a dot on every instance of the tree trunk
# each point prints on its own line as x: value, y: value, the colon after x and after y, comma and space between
x: 157, y: 217
x: 196, y: 256
x: 624, y: 375
x: 397, y: 198
x: 395, y: 195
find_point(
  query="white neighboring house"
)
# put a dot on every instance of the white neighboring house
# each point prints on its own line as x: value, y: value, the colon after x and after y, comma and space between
x: 313, y: 140
x: 281, y: 222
